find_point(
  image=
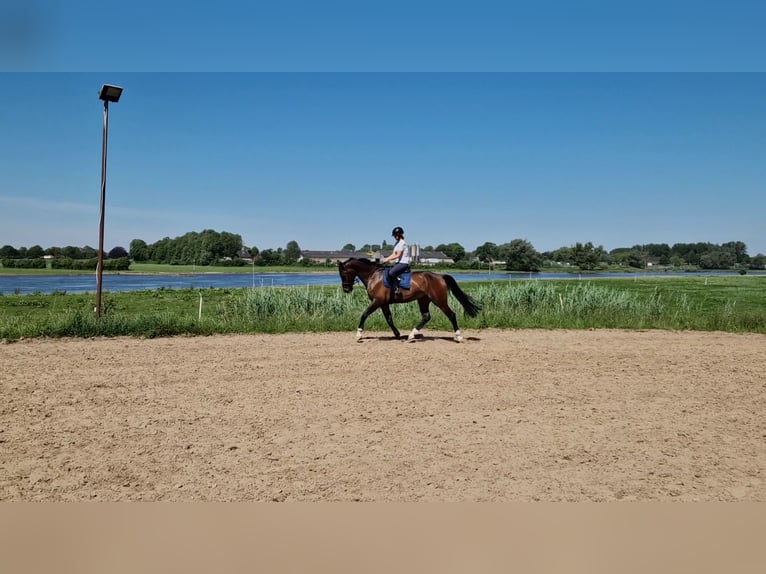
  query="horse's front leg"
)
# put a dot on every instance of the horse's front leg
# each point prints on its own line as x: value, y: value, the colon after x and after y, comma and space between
x: 390, y: 320
x: 425, y: 317
x: 367, y: 312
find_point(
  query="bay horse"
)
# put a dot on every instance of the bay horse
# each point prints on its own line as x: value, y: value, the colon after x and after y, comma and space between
x: 425, y: 287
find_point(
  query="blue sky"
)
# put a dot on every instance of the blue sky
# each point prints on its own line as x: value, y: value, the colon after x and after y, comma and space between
x: 327, y: 159
x: 383, y: 35
x: 616, y: 123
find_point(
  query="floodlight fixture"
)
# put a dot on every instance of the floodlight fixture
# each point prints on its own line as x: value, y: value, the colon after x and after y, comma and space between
x: 110, y: 93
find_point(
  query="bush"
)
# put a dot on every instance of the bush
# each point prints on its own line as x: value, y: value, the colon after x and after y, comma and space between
x: 236, y: 262
x: 76, y: 264
x: 24, y: 263
x: 119, y: 264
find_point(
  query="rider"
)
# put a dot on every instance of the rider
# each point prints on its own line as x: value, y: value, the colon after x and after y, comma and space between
x: 402, y: 257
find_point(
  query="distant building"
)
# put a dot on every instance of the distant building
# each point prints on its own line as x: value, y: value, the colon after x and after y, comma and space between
x: 419, y: 257
x: 434, y: 258
x: 331, y: 256
x: 416, y: 256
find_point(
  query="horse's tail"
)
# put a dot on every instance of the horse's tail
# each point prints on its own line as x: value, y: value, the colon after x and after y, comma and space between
x: 470, y: 306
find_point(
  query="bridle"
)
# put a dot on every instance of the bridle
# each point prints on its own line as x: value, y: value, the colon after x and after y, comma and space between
x: 348, y: 286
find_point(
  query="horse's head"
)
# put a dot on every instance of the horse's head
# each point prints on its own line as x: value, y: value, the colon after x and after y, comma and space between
x: 347, y: 276
x: 352, y: 268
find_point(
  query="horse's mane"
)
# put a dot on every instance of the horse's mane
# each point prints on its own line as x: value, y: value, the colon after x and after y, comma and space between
x: 363, y: 261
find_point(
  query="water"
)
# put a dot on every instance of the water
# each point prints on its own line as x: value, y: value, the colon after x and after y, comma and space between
x: 26, y: 284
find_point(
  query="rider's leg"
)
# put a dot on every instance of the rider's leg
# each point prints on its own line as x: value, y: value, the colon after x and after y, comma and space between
x: 393, y: 275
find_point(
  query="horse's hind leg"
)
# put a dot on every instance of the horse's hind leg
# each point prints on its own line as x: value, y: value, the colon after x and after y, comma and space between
x: 453, y: 319
x: 425, y: 317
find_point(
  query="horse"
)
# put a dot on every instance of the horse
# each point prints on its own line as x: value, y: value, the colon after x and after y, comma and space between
x: 425, y: 287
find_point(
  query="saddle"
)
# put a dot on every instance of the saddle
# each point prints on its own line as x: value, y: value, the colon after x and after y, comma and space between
x: 404, y: 279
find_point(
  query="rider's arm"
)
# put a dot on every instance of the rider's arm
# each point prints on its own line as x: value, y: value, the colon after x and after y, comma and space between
x: 394, y: 255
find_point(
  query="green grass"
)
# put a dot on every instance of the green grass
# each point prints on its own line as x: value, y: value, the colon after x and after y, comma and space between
x: 736, y: 304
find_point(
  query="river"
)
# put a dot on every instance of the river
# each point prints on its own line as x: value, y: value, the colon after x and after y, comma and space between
x: 27, y: 284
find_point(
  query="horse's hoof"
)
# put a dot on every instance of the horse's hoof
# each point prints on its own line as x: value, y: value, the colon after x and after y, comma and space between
x: 458, y: 337
x: 414, y: 333
x: 358, y: 334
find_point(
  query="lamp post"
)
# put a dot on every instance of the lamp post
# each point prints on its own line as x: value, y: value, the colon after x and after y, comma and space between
x: 107, y: 94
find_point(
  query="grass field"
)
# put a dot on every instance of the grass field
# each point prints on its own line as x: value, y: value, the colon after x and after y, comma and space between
x: 736, y: 304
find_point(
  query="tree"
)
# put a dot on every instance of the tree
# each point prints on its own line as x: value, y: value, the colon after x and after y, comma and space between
x: 71, y: 252
x: 520, y: 255
x: 268, y: 257
x: 8, y: 252
x: 35, y: 252
x: 676, y: 261
x: 292, y: 253
x: 625, y: 256
x: 139, y: 251
x: 691, y: 252
x: 203, y: 248
x: 758, y: 262
x: 117, y: 252
x: 718, y: 259
x: 453, y: 250
x: 659, y: 250
x: 349, y: 247
x: 159, y: 251
x: 587, y: 257
x: 487, y: 252
x: 738, y: 249
x: 563, y: 255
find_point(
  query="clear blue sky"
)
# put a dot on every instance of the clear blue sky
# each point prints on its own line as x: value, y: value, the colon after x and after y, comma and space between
x: 615, y: 125
x: 383, y: 35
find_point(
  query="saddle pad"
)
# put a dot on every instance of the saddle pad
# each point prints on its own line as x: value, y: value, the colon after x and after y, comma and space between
x: 404, y: 280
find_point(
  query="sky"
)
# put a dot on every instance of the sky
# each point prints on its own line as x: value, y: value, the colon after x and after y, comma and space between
x: 384, y: 35
x: 325, y: 136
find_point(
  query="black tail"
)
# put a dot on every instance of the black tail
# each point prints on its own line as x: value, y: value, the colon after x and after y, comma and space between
x: 470, y: 306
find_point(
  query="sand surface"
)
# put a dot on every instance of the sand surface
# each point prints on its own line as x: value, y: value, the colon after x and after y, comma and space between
x: 504, y: 416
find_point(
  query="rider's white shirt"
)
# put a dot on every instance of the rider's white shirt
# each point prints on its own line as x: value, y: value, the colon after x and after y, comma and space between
x: 401, y: 245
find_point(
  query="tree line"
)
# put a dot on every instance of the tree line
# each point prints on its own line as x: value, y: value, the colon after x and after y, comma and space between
x: 520, y: 255
x: 210, y: 247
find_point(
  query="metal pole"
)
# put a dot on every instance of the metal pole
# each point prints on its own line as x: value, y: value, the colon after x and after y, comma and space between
x: 100, y: 265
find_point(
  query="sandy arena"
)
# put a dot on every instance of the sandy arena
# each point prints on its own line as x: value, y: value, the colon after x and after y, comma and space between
x: 505, y: 416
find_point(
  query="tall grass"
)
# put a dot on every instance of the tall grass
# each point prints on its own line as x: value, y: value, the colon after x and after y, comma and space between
x: 541, y: 304
x: 728, y: 305
x: 274, y: 310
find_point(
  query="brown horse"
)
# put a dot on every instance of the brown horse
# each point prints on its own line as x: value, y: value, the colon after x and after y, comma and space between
x: 424, y: 288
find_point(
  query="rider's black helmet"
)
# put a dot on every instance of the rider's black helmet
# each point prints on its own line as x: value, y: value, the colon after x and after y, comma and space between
x: 396, y: 231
